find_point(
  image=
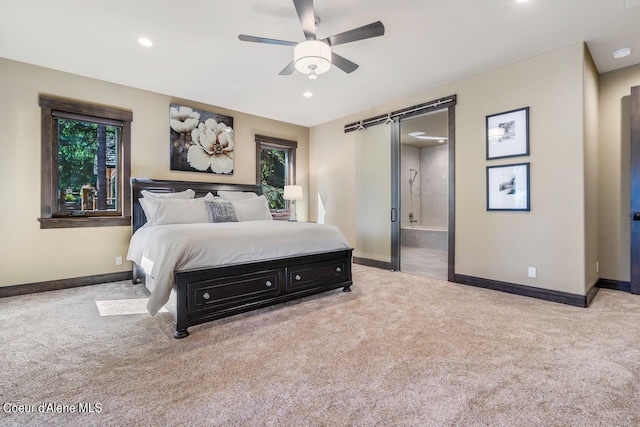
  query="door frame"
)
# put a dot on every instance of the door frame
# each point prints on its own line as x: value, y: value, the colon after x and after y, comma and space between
x: 396, y: 209
x: 396, y: 213
x: 634, y: 216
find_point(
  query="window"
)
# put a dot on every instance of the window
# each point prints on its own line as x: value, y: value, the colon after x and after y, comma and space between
x: 85, y: 164
x: 275, y: 168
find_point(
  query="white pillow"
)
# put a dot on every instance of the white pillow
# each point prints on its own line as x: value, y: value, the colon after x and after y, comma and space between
x: 176, y: 211
x: 186, y: 194
x: 237, y: 195
x: 254, y: 209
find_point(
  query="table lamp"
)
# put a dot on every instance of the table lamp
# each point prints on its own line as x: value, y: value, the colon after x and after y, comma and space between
x: 293, y: 193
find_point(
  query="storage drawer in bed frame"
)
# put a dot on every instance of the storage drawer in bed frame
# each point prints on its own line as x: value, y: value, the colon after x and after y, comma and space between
x: 234, y: 290
x: 202, y: 295
x: 315, y: 274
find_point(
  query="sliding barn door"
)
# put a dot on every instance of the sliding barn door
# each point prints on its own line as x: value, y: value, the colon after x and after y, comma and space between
x: 635, y: 190
x: 373, y: 196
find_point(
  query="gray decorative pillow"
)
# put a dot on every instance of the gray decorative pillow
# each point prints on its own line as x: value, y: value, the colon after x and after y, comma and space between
x: 221, y: 211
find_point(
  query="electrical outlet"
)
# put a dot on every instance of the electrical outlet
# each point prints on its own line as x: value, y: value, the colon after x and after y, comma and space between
x: 532, y: 272
x: 118, y: 260
x: 597, y: 266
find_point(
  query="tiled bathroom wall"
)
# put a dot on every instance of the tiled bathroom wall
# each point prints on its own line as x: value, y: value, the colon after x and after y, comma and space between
x: 430, y: 200
x: 410, y: 159
x: 434, y: 183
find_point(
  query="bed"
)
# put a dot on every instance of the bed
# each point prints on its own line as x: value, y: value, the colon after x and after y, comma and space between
x: 213, y: 285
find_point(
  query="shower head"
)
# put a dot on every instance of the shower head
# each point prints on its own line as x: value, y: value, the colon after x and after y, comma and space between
x: 412, y: 175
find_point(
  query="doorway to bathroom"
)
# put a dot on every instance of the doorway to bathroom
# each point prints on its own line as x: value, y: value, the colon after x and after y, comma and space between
x: 424, y: 194
x: 405, y: 189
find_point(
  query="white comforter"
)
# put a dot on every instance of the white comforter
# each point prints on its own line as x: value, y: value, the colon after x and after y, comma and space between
x: 163, y: 249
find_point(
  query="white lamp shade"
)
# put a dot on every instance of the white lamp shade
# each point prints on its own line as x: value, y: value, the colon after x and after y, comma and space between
x: 293, y: 192
x: 312, y: 56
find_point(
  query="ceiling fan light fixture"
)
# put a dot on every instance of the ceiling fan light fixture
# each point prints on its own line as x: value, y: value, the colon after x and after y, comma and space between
x: 312, y: 57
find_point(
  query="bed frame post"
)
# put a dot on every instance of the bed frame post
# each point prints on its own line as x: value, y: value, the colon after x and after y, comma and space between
x: 348, y: 268
x: 180, y: 333
x: 180, y: 316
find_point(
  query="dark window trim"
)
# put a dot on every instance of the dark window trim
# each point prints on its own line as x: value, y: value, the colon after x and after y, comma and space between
x: 49, y: 105
x: 82, y: 117
x: 263, y: 141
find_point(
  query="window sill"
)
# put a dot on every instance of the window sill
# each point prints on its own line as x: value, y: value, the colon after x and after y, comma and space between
x: 77, y: 222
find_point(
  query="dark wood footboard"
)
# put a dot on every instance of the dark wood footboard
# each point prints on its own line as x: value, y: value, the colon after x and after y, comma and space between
x: 202, y: 295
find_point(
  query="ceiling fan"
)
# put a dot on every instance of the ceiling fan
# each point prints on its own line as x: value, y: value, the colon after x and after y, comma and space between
x: 312, y: 56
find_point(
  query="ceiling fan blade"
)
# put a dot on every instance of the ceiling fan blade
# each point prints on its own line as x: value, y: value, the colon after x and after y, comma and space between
x: 289, y: 69
x: 343, y: 63
x: 255, y: 39
x: 307, y: 17
x: 375, y: 29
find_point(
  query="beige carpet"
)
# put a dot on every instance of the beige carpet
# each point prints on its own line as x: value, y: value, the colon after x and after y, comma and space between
x: 398, y: 350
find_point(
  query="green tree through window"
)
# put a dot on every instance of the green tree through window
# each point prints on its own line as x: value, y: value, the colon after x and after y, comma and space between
x: 275, y: 168
x: 273, y: 176
x: 81, y: 160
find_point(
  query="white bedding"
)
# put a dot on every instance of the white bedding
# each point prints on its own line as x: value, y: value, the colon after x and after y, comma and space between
x: 163, y: 249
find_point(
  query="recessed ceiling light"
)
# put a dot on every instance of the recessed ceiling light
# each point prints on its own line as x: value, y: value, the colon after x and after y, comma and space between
x: 421, y: 135
x: 621, y: 53
x: 522, y: 1
x: 145, y: 42
x: 307, y: 94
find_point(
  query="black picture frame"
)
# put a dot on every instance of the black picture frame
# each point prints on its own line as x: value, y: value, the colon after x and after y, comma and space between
x: 509, y: 187
x: 507, y: 134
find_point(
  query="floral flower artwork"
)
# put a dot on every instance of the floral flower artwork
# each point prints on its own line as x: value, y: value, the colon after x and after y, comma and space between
x: 212, y: 148
x: 183, y: 119
x: 200, y: 141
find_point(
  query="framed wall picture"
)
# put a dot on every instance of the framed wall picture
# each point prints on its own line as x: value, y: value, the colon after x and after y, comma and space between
x: 200, y: 141
x: 507, y: 134
x: 508, y: 187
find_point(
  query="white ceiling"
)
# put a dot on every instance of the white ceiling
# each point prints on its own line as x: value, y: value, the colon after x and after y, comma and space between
x: 197, y: 55
x: 434, y: 124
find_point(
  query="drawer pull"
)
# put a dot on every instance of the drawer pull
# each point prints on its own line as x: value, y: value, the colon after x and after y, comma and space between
x: 338, y: 269
x: 206, y: 295
x: 268, y: 283
x: 297, y: 277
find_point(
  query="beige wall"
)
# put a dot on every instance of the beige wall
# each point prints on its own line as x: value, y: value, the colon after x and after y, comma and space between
x: 591, y: 168
x: 29, y: 254
x: 332, y: 184
x: 614, y: 178
x: 495, y: 245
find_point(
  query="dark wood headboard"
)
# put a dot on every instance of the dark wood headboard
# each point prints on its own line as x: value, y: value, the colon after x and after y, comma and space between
x: 156, y: 186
